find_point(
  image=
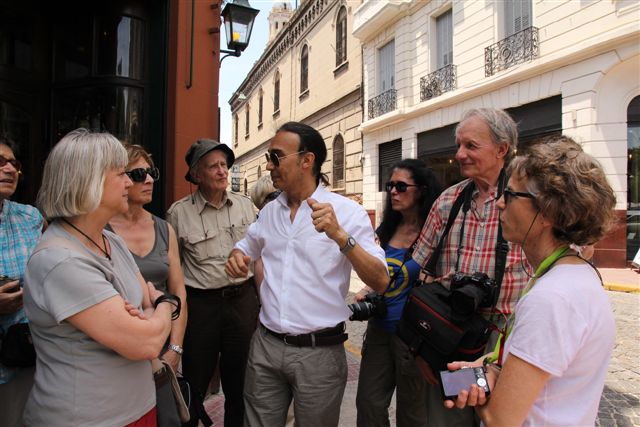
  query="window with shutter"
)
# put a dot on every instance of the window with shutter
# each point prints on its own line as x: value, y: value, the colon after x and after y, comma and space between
x: 517, y: 16
x: 341, y: 36
x: 338, y: 162
x: 388, y: 154
x: 444, y: 39
x: 304, y: 69
x: 386, y: 67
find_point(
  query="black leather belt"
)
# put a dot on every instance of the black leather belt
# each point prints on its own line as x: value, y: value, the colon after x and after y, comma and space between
x: 225, y: 292
x: 321, y: 338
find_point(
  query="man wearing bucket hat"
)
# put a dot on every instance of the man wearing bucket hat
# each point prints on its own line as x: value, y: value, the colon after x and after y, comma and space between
x: 222, y: 311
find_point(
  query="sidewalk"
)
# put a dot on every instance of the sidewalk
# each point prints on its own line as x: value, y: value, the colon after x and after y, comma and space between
x: 620, y: 279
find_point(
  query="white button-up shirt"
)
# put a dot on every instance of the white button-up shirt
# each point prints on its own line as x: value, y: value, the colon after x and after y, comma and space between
x: 306, y: 277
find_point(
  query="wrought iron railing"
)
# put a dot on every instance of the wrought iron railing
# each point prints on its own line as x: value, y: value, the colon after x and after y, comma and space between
x: 521, y: 47
x: 436, y: 83
x: 382, y: 103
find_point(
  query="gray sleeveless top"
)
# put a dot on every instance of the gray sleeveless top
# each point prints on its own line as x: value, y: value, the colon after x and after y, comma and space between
x: 154, y: 267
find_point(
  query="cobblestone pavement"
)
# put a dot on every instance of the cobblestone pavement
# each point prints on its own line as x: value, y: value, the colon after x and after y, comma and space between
x: 620, y: 404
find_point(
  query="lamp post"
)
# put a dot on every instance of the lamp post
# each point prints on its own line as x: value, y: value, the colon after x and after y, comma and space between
x: 238, y: 18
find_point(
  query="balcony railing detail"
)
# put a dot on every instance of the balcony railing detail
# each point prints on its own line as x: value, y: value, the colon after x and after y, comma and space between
x: 521, y: 47
x: 382, y: 103
x: 436, y: 83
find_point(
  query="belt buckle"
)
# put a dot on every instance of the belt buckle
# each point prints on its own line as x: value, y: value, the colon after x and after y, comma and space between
x: 285, y: 340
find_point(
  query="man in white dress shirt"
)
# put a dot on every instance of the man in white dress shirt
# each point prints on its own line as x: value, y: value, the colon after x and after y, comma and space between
x: 309, y: 239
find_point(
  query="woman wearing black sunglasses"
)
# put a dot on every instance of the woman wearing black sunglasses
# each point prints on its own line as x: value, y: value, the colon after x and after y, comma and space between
x: 386, y: 363
x: 152, y: 242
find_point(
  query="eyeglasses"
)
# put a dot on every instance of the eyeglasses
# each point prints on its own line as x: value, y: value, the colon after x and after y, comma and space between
x: 400, y: 186
x: 14, y: 162
x: 140, y: 174
x: 510, y: 193
x: 275, y: 159
x: 272, y: 196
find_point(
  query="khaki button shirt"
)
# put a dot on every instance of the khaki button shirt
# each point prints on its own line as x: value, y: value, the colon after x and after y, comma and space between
x: 207, y: 234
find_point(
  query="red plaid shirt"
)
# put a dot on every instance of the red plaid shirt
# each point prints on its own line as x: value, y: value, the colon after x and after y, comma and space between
x: 478, y: 245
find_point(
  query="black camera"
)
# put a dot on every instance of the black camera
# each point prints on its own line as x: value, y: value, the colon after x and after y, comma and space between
x: 372, y: 305
x: 470, y: 292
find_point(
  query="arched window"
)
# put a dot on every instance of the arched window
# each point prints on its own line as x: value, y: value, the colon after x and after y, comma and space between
x: 338, y: 162
x: 246, y: 121
x: 276, y: 93
x: 260, y: 107
x: 304, y: 69
x: 341, y: 36
x: 235, y: 129
x: 633, y: 177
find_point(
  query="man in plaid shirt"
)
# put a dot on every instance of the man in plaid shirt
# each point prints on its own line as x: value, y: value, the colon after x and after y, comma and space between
x: 486, y: 139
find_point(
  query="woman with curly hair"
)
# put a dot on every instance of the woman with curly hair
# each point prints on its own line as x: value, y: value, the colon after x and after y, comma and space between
x: 552, y: 362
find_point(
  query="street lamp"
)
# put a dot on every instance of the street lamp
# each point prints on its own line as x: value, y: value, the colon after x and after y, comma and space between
x: 238, y: 18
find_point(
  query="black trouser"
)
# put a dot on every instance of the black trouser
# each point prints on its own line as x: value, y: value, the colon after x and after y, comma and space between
x: 221, y: 322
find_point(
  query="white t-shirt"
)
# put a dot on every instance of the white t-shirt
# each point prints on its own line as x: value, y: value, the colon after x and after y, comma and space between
x: 565, y: 327
x: 306, y: 278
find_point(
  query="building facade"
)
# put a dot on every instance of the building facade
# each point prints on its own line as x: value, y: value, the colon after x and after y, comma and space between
x: 142, y: 70
x: 311, y: 72
x: 567, y: 67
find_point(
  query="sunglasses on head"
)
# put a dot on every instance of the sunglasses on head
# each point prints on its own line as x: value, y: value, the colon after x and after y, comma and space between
x: 14, y: 162
x: 140, y: 174
x: 507, y: 193
x: 400, y: 186
x: 275, y: 159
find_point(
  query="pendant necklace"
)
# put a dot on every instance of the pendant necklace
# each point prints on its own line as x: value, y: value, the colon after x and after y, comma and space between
x: 104, y: 242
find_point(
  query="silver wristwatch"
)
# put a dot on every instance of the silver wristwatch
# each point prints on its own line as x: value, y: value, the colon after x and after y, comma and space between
x: 176, y: 348
x: 351, y: 243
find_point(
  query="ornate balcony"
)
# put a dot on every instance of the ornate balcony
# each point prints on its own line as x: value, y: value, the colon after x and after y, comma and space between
x: 382, y: 103
x: 436, y: 83
x: 521, y: 47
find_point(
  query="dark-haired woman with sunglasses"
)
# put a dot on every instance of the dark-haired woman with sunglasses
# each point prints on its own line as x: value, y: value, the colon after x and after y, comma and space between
x: 152, y: 242
x: 387, y: 365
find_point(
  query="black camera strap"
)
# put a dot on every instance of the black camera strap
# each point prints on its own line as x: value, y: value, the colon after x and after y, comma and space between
x: 502, y: 247
x: 430, y: 267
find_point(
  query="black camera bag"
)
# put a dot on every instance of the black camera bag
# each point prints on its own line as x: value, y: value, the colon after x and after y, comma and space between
x: 434, y: 331
x: 429, y: 325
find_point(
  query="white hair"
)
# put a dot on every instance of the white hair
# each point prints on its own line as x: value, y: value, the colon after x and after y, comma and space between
x: 74, y: 173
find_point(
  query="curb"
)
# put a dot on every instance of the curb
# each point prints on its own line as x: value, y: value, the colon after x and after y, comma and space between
x: 622, y: 287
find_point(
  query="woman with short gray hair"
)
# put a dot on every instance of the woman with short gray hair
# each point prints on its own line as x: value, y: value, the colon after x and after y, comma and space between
x: 95, y: 323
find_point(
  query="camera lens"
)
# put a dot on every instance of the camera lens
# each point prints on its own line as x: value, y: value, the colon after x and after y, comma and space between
x: 361, y: 310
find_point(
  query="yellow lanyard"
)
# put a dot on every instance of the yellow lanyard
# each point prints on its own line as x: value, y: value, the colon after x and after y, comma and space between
x: 542, y: 268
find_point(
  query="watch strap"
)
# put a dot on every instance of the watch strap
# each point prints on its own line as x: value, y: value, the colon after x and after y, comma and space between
x: 176, y: 348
